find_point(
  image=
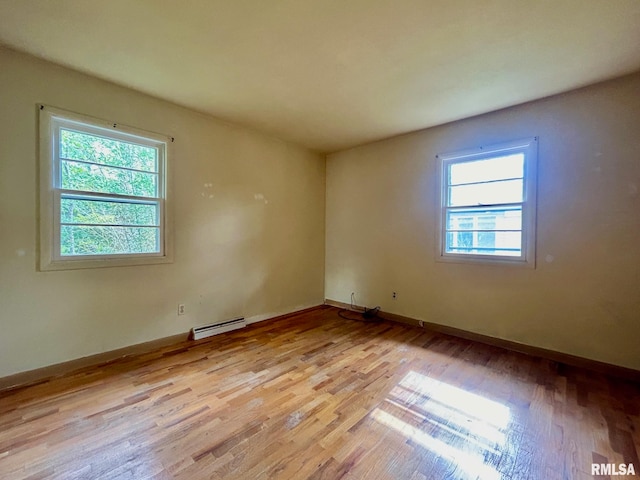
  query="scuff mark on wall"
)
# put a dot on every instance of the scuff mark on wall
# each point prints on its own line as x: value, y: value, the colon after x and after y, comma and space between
x: 204, y: 194
x: 260, y: 197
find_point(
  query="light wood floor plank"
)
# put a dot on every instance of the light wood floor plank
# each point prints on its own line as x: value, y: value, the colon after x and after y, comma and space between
x: 315, y: 396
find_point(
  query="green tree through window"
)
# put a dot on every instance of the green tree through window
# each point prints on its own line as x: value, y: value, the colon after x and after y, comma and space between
x: 91, y: 163
x: 108, y: 190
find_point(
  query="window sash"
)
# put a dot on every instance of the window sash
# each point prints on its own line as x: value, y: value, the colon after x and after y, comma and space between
x: 475, y: 232
x: 58, y: 125
x: 59, y: 194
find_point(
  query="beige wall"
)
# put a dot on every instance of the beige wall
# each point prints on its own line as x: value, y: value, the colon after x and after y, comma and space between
x: 252, y: 244
x: 584, y: 296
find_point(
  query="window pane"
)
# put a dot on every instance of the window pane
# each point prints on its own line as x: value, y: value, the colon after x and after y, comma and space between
x: 485, y: 219
x: 499, y: 168
x: 486, y: 240
x: 485, y: 243
x: 74, y: 210
x: 83, y: 240
x: 92, y: 148
x: 509, y: 191
x: 103, y: 179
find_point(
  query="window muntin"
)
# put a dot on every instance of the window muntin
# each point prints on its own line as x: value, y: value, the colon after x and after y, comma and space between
x: 104, y: 191
x: 488, y: 204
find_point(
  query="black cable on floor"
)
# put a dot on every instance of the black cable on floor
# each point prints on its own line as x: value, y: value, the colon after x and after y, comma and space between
x: 368, y: 316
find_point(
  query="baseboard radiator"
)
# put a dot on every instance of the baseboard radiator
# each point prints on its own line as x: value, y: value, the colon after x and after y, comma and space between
x: 215, y: 328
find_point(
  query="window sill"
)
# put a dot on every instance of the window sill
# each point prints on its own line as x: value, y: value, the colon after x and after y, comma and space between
x: 77, y: 264
x: 486, y: 260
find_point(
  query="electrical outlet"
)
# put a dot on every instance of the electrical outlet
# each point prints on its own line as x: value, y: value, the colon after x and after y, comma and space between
x: 394, y: 295
x: 181, y: 309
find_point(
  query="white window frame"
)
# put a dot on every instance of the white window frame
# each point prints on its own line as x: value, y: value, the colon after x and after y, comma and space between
x: 51, y: 121
x: 529, y: 147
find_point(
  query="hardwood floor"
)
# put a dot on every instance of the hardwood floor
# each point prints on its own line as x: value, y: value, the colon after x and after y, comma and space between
x: 316, y: 396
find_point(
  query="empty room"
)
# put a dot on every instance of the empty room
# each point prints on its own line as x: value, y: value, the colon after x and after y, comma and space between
x: 326, y: 239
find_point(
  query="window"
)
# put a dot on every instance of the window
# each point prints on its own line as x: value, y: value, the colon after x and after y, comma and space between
x: 103, y: 193
x: 488, y: 204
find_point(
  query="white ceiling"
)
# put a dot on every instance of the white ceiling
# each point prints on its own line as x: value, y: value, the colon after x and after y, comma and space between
x: 331, y: 74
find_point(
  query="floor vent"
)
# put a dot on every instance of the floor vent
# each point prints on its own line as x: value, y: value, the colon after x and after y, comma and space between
x: 215, y: 328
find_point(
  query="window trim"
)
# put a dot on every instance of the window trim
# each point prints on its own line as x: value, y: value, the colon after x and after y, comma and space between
x: 527, y: 146
x: 49, y: 259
